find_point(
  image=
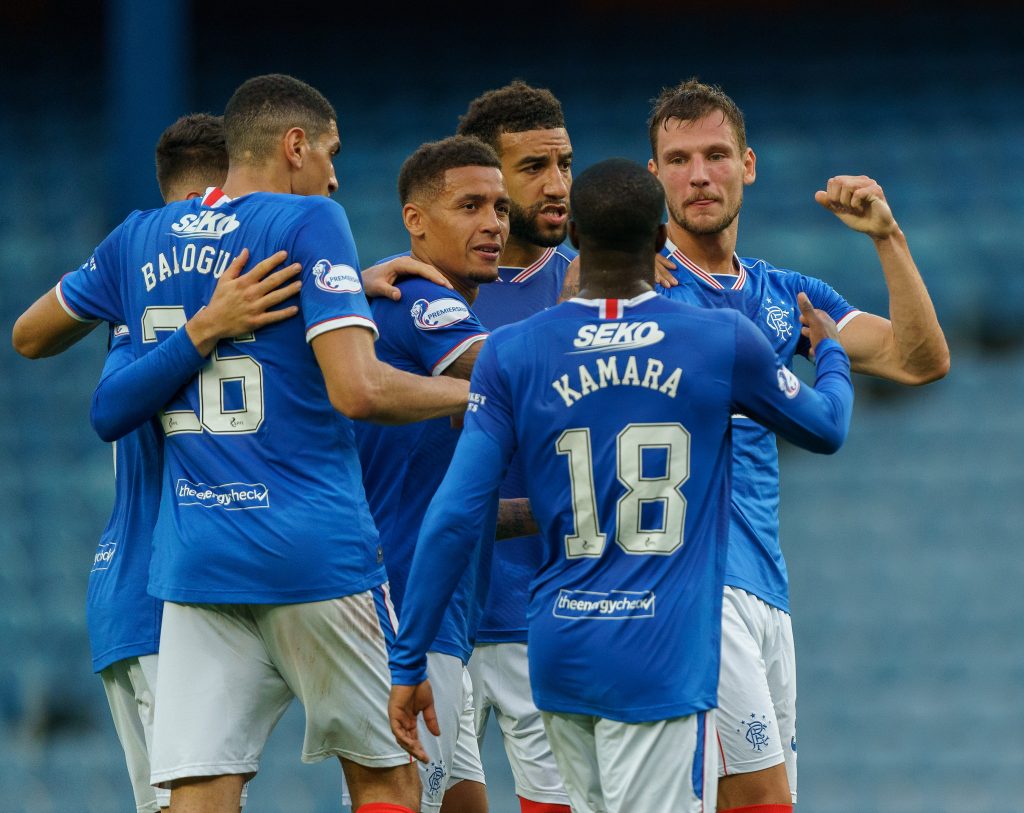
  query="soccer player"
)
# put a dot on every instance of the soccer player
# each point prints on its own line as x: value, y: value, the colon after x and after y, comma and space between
x: 456, y: 210
x: 620, y: 403
x: 264, y: 549
x: 526, y: 127
x: 701, y: 156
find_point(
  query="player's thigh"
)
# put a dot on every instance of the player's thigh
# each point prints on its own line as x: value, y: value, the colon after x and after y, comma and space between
x: 466, y: 761
x: 483, y: 671
x: 333, y: 655
x: 128, y: 687
x: 574, y: 745
x: 526, y: 742
x: 781, y: 672
x: 663, y: 765
x: 748, y: 731
x: 218, y: 693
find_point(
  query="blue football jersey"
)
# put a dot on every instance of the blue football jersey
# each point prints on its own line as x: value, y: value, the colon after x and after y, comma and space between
x: 767, y: 295
x: 621, y: 412
x: 521, y: 292
x: 423, y: 333
x: 122, y: 618
x: 262, y: 497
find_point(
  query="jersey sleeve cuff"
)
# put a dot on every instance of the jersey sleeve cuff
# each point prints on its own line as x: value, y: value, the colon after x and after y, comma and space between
x: 409, y: 676
x: 848, y: 318
x: 327, y: 325
x: 452, y: 355
x: 67, y: 308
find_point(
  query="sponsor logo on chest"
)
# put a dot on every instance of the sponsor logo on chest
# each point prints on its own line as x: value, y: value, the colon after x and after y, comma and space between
x: 205, y: 225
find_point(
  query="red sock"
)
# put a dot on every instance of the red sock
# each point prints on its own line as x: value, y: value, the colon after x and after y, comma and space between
x: 382, y: 807
x: 760, y: 809
x: 528, y: 806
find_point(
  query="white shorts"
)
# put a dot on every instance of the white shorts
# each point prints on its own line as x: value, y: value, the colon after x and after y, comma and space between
x: 129, y: 685
x: 501, y: 681
x: 613, y: 767
x: 756, y: 688
x: 228, y: 672
x: 454, y: 755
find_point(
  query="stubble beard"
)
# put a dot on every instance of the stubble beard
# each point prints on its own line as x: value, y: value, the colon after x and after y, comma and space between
x: 678, y: 214
x: 522, y: 224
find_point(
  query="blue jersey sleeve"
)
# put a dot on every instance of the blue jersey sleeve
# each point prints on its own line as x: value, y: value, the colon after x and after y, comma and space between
x: 824, y: 297
x: 93, y: 291
x: 430, y: 324
x: 131, y: 391
x: 817, y: 419
x: 332, y: 291
x: 456, y: 519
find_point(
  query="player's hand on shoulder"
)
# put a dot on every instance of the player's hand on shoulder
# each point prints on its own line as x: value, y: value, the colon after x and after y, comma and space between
x: 242, y: 303
x: 816, y: 324
x: 663, y: 268
x: 379, y: 280
x: 860, y: 203
x: 404, y: 705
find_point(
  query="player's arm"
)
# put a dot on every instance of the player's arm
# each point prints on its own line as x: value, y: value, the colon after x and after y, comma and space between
x: 515, y: 518
x: 451, y: 530
x: 817, y: 419
x: 909, y: 347
x: 130, y: 394
x: 365, y: 388
x: 46, y: 328
x: 379, y: 280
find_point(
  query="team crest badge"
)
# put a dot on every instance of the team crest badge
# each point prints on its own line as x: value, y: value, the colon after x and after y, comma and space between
x: 757, y: 732
x: 778, y: 320
x: 434, y: 778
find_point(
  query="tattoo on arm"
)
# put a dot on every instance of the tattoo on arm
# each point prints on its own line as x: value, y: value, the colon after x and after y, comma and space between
x: 515, y: 519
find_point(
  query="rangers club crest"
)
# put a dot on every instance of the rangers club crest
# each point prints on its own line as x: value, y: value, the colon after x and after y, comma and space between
x: 434, y: 778
x: 778, y: 320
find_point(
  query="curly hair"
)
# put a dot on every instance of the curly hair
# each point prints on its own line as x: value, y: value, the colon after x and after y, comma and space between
x: 691, y: 100
x: 423, y: 171
x: 515, y: 108
x: 617, y: 204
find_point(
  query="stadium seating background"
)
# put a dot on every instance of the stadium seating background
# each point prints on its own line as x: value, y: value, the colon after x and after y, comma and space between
x: 904, y: 549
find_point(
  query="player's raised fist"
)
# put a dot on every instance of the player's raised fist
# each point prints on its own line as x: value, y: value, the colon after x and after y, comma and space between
x: 817, y: 324
x: 860, y: 203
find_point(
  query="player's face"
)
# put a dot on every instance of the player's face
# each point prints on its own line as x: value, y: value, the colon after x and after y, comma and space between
x: 703, y: 172
x: 537, y: 165
x: 317, y: 174
x: 466, y: 225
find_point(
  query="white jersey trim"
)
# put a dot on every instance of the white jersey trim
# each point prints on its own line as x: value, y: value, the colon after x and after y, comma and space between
x: 704, y: 276
x: 342, y: 321
x: 449, y: 358
x: 848, y: 318
x: 625, y: 303
x: 67, y: 307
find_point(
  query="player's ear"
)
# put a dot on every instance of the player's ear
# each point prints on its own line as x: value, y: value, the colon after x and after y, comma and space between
x: 294, y: 145
x: 749, y: 167
x: 652, y: 167
x: 574, y: 239
x: 661, y: 237
x: 412, y: 217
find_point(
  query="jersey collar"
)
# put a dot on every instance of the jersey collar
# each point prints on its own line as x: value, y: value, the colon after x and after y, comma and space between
x: 708, y: 279
x: 614, y: 308
x: 214, y: 197
x: 533, y: 267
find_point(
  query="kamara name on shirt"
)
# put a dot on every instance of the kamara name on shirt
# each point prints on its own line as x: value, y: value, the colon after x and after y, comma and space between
x: 612, y: 372
x: 202, y: 260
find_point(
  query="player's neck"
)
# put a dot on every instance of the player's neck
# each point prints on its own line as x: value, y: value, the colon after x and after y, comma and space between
x: 467, y: 290
x: 614, y: 277
x: 712, y: 252
x: 244, y: 179
x: 519, y: 253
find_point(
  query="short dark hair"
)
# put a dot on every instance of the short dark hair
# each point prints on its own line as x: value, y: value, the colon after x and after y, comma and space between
x: 691, y: 100
x: 423, y: 171
x: 618, y: 205
x: 515, y: 108
x: 264, y: 108
x: 191, y: 151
